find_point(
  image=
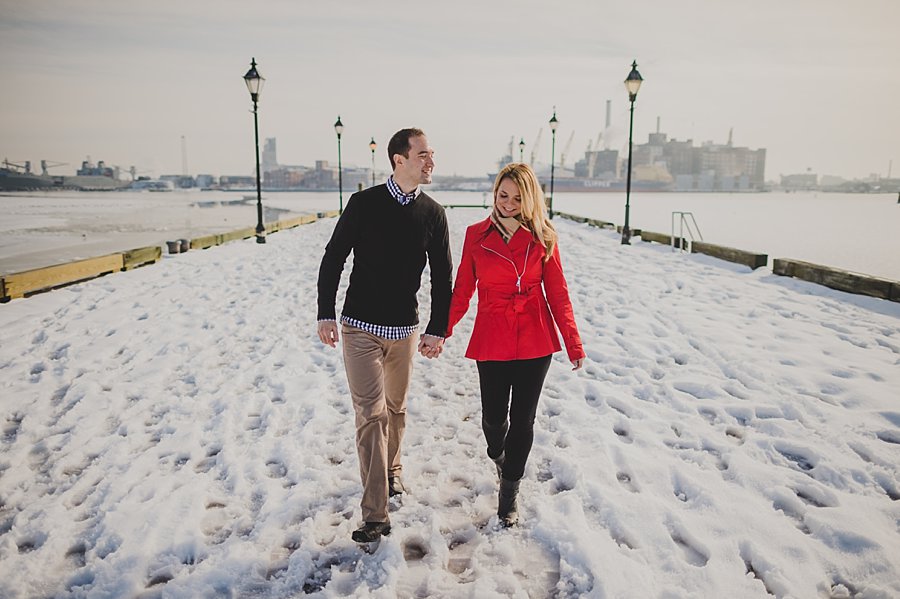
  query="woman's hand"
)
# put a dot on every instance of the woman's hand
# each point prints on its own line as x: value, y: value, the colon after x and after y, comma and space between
x: 577, y: 363
x: 430, y: 346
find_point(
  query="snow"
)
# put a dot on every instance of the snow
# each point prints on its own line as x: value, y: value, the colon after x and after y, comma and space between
x: 179, y: 431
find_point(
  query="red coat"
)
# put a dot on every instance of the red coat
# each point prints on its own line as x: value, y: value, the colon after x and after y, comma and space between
x: 511, y: 323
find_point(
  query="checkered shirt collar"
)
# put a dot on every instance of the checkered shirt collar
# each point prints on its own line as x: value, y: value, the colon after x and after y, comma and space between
x: 403, y: 198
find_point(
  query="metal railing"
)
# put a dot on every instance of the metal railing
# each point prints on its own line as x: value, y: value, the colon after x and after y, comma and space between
x: 484, y: 203
x: 687, y: 221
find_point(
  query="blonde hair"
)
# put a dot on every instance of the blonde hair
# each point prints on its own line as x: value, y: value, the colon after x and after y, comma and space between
x: 534, y: 209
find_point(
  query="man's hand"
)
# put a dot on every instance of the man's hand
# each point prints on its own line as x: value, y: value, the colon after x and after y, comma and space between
x: 431, y: 346
x: 328, y: 332
x: 577, y: 363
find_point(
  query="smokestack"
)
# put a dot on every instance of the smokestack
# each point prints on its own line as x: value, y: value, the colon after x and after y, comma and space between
x: 184, y: 166
x: 608, y: 113
x: 657, y: 124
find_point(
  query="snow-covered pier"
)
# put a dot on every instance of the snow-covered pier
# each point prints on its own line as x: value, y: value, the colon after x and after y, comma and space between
x: 179, y: 431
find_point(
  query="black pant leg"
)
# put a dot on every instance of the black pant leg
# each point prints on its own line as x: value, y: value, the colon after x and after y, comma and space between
x: 496, y: 384
x: 528, y: 381
x: 509, y: 397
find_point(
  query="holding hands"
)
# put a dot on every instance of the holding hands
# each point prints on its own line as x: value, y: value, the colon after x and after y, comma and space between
x: 431, y: 346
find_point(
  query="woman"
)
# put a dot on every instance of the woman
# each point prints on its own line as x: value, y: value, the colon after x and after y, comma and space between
x: 513, y: 258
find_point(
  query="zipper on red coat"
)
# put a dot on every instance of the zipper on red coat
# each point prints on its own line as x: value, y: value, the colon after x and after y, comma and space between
x: 524, y: 266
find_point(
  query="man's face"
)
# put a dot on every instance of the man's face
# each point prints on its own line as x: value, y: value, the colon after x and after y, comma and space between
x: 420, y: 164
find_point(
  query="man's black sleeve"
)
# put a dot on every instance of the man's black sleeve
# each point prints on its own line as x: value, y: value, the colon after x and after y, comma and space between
x: 342, y: 240
x: 441, y: 265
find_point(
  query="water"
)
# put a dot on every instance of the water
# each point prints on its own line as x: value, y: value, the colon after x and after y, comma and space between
x: 858, y: 232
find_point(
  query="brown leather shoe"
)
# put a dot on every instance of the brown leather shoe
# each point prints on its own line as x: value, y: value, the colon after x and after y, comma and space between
x: 371, y: 531
x: 395, y: 486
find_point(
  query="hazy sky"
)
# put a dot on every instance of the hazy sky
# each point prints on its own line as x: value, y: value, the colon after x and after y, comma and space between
x: 815, y: 82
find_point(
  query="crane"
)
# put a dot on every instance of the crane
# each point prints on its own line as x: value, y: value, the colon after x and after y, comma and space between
x: 132, y: 170
x: 565, y: 152
x: 536, y: 146
x: 25, y: 168
x: 47, y: 164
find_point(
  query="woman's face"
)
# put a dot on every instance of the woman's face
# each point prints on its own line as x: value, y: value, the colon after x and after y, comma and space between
x: 509, y: 200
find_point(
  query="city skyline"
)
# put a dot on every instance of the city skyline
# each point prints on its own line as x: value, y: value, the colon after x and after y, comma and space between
x: 813, y: 82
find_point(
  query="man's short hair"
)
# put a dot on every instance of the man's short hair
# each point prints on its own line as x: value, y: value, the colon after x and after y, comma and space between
x: 399, y: 143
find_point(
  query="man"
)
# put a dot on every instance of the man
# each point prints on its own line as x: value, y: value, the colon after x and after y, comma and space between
x: 391, y: 229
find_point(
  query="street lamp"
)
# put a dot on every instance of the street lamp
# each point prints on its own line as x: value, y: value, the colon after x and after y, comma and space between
x: 632, y: 85
x: 553, y: 125
x: 521, y: 149
x: 372, y: 146
x: 339, y: 128
x: 254, y: 83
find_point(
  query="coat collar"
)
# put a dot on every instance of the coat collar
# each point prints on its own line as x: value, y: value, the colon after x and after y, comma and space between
x: 492, y: 239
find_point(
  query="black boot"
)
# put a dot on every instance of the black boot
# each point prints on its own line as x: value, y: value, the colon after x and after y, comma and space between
x: 507, y: 508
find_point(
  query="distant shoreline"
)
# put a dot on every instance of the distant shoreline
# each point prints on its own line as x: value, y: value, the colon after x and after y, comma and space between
x: 855, y: 232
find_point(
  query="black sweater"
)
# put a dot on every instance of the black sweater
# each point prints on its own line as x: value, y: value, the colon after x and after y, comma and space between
x: 390, y: 244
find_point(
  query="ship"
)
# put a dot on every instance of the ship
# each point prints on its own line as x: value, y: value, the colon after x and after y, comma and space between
x: 585, y: 184
x: 92, y: 177
x: 18, y: 177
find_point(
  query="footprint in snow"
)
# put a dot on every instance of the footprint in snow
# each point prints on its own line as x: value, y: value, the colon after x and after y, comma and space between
x: 888, y: 485
x: 460, y: 558
x: 799, y: 457
x: 280, y: 556
x: 623, y: 431
x: 208, y: 462
x: 60, y: 352
x: 276, y: 469
x: 692, y: 550
x: 36, y: 371
x: 735, y: 434
x: 618, y: 408
x: 76, y: 555
x: 888, y: 436
x: 544, y: 473
x: 414, y: 549
x: 816, y: 496
x: 12, y: 427
x: 709, y: 415
x: 626, y: 481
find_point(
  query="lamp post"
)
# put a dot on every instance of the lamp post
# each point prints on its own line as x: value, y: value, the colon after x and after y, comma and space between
x: 553, y: 125
x: 521, y: 150
x: 254, y: 83
x: 339, y: 128
x: 632, y: 85
x: 372, y: 146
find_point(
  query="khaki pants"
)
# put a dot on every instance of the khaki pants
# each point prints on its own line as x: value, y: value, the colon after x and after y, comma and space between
x: 378, y: 372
